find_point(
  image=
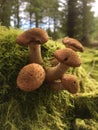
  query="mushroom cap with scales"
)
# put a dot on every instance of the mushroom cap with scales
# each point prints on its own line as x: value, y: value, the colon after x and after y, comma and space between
x: 30, y: 77
x: 68, y: 57
x: 34, y: 35
x: 70, y: 83
x: 73, y: 44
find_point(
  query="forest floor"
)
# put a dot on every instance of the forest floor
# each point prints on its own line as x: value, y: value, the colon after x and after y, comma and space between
x: 44, y: 109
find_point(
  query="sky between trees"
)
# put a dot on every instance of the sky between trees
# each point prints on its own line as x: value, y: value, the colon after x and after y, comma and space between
x: 75, y: 19
x: 95, y: 8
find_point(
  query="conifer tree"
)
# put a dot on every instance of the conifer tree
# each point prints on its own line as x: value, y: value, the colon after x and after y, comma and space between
x: 5, y: 12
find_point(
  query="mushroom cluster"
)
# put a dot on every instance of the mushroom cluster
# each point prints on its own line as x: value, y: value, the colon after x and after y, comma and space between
x: 33, y: 75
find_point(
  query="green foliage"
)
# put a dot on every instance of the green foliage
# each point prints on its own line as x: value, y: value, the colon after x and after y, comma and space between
x: 5, y: 12
x: 39, y: 10
x: 68, y: 17
x: 43, y: 109
x: 78, y: 19
x: 94, y: 36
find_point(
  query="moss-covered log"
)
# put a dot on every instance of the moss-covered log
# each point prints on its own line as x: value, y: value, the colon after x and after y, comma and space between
x: 42, y: 109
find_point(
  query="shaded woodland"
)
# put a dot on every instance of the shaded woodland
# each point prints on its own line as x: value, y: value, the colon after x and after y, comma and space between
x: 72, y: 18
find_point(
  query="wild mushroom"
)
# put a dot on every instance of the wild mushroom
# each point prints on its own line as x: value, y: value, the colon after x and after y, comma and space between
x: 67, y: 58
x: 68, y: 82
x: 73, y: 44
x: 30, y: 77
x: 69, y: 43
x: 54, y: 61
x: 34, y: 38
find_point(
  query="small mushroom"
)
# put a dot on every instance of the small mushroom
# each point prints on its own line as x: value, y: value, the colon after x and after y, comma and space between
x: 69, y: 43
x: 67, y: 58
x: 30, y: 77
x: 68, y: 82
x: 73, y: 44
x: 34, y: 38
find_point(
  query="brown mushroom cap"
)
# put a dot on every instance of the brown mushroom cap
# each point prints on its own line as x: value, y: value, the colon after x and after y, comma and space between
x: 35, y: 35
x: 73, y: 44
x: 30, y: 77
x: 68, y: 56
x: 70, y: 83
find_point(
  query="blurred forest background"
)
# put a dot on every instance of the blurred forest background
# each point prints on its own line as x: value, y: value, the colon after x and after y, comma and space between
x: 60, y: 18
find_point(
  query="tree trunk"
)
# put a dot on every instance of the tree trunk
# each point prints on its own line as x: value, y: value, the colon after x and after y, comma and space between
x: 36, y: 20
x: 17, y: 14
x: 71, y: 18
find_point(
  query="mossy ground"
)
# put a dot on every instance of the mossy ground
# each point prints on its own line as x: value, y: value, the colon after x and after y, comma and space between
x: 45, y: 109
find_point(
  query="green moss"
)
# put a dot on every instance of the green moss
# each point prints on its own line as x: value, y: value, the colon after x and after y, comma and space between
x: 86, y: 124
x: 87, y: 83
x: 90, y: 62
x: 37, y: 111
x: 42, y: 109
x: 86, y: 106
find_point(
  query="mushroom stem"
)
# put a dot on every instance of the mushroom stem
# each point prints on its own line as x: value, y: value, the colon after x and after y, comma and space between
x: 35, y: 53
x: 33, y: 38
x: 56, y: 72
x: 57, y: 86
x: 54, y: 61
x: 67, y: 58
